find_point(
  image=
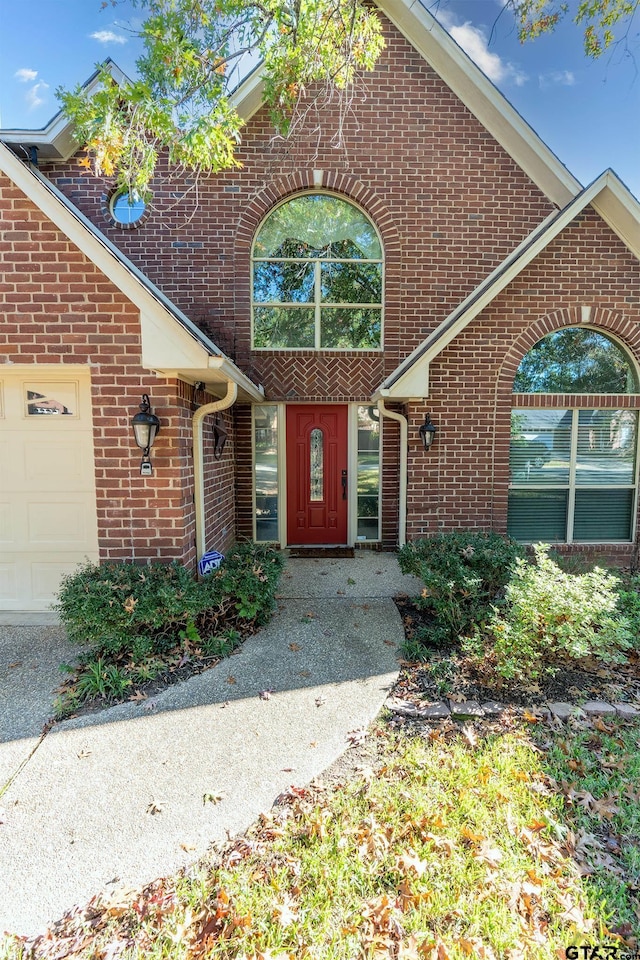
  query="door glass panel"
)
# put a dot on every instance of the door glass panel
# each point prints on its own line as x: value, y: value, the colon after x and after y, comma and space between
x: 316, y: 456
x: 266, y: 458
x: 540, y: 448
x: 45, y: 399
x: 368, y: 474
x: 606, y: 447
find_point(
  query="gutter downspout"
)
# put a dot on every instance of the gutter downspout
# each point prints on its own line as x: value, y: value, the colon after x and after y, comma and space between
x: 402, y: 493
x: 198, y: 457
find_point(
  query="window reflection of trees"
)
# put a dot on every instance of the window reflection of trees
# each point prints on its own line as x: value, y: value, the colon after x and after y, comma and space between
x: 573, y: 471
x: 317, y: 277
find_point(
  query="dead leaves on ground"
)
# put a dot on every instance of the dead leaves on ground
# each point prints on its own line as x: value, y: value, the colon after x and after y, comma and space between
x: 403, y: 860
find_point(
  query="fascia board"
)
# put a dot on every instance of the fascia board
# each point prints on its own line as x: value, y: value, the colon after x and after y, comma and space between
x: 482, y: 98
x: 619, y: 209
x: 56, y: 140
x: 158, y: 322
x: 248, y: 97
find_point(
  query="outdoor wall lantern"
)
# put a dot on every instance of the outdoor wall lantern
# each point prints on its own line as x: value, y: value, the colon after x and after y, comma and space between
x: 427, y: 432
x: 145, y: 429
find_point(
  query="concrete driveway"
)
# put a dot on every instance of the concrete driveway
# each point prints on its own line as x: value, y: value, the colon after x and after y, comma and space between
x: 124, y: 795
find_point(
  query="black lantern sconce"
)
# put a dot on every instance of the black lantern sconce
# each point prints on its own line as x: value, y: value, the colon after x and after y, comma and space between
x: 427, y: 432
x: 219, y: 436
x: 146, y: 427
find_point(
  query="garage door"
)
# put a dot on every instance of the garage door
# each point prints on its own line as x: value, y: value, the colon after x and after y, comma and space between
x: 47, y: 485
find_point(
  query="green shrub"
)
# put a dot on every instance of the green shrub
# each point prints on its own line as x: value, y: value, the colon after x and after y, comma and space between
x: 463, y: 575
x: 629, y: 606
x: 137, y: 622
x: 144, y: 609
x: 549, y: 614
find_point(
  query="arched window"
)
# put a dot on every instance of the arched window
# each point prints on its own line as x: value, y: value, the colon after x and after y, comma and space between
x: 317, y: 277
x: 574, y: 469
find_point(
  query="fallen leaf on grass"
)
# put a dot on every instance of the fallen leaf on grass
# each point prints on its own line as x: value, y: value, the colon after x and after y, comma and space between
x: 356, y: 737
x: 537, y: 825
x: 410, y: 863
x: 472, y: 837
x: 285, y: 913
x: 599, y: 724
x: 470, y: 735
x: 489, y: 854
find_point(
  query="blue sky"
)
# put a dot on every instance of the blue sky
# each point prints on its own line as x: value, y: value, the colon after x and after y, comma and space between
x: 587, y: 112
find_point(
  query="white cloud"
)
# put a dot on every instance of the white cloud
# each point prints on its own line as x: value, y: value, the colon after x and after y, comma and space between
x: 474, y: 42
x: 562, y: 78
x: 25, y: 75
x: 35, y: 96
x: 108, y: 36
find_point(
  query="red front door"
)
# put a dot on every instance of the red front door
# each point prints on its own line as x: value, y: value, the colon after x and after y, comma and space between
x: 316, y: 474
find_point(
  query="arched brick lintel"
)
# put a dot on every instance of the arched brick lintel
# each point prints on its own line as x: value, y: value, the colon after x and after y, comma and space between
x: 332, y: 182
x: 609, y: 321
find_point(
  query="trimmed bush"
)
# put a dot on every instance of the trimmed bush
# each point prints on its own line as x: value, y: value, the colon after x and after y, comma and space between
x: 550, y: 614
x: 139, y: 623
x: 144, y: 609
x: 464, y: 573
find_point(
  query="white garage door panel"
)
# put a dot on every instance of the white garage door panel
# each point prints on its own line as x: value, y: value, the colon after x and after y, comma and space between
x: 9, y: 584
x: 48, y: 506
x: 7, y: 525
x: 46, y: 576
x: 57, y: 523
x: 74, y: 468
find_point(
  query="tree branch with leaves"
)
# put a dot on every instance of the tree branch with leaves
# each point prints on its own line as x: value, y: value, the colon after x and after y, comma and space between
x: 195, y: 53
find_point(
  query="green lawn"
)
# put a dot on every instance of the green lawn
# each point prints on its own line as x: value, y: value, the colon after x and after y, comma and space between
x: 508, y: 844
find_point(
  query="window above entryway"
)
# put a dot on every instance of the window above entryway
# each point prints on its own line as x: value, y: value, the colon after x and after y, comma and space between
x: 317, y: 277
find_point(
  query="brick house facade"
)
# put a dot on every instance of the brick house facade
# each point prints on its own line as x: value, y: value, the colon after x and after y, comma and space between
x: 488, y: 245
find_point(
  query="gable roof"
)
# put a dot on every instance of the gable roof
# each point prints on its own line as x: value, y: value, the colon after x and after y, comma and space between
x: 608, y: 196
x: 56, y: 140
x: 172, y: 344
x: 441, y: 52
x: 421, y: 29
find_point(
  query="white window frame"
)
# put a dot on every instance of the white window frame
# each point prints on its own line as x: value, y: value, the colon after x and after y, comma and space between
x: 318, y: 304
x: 571, y: 486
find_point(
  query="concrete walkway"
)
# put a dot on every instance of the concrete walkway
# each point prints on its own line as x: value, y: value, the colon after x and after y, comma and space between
x: 121, y: 796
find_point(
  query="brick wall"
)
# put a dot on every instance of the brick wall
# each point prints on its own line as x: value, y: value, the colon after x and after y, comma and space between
x: 57, y: 307
x: 449, y: 203
x: 463, y: 481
